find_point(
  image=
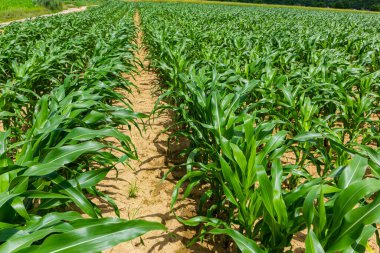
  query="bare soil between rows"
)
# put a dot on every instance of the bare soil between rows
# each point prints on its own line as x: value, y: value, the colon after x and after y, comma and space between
x: 144, y: 178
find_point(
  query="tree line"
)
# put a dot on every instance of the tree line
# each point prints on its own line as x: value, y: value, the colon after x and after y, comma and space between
x: 373, y: 5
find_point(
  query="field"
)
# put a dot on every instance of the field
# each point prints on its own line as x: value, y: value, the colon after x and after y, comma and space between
x: 17, y: 9
x: 257, y: 126
x: 8, y: 4
x: 247, y: 4
x: 20, y: 9
x: 281, y: 108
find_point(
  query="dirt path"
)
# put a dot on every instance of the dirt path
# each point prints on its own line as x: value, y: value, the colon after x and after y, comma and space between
x: 153, y: 196
x: 70, y: 10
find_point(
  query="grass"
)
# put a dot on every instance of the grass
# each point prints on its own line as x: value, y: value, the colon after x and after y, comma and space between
x: 18, y: 9
x: 261, y: 5
x: 133, y: 190
x: 78, y: 3
x: 15, y: 4
x: 21, y: 13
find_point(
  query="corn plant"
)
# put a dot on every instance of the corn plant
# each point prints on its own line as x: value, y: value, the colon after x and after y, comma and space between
x: 51, y: 165
x: 281, y: 110
x: 38, y: 55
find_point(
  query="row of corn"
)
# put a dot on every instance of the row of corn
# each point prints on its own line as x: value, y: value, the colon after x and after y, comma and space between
x: 59, y: 78
x: 281, y: 110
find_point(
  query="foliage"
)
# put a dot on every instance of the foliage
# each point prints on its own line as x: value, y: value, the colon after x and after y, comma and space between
x: 58, y: 78
x: 281, y: 108
x: 50, y: 4
x: 343, y: 4
x: 11, y: 4
x: 17, y: 9
x: 83, y: 2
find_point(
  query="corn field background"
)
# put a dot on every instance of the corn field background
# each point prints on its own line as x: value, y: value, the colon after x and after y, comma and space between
x: 278, y: 110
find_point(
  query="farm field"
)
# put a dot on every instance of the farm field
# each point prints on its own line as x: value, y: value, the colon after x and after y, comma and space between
x: 281, y: 110
x: 211, y: 128
x: 250, y: 4
x: 59, y: 77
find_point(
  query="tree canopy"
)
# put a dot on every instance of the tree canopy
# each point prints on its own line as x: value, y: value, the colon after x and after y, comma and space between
x: 344, y: 4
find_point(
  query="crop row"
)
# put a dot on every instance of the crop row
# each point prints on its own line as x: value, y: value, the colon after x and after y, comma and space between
x: 36, y: 56
x: 60, y: 78
x: 281, y: 108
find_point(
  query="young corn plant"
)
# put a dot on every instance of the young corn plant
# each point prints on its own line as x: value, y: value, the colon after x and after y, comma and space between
x: 281, y: 110
x: 61, y: 153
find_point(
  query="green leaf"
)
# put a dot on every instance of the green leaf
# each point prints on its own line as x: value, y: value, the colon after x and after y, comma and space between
x: 303, y: 137
x: 353, y: 225
x: 188, y: 176
x: 278, y: 202
x: 362, y: 241
x: 266, y: 190
x: 312, y: 244
x: 52, y: 219
x: 101, y: 236
x: 58, y: 157
x: 76, y: 196
x: 353, y: 172
x: 19, y: 207
x: 240, y: 159
x: 89, y: 178
x: 86, y: 134
x: 22, y: 240
x: 274, y: 142
x: 231, y: 178
x: 3, y: 142
x: 349, y: 197
x: 245, y: 244
x: 308, y: 206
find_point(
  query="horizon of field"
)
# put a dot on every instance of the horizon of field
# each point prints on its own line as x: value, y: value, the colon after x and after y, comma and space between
x: 259, y: 5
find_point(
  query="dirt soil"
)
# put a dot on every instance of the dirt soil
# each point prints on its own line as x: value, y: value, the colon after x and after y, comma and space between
x: 153, y: 195
x: 70, y: 10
